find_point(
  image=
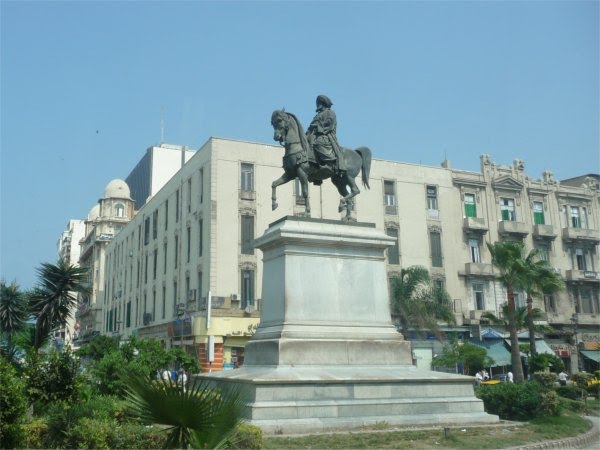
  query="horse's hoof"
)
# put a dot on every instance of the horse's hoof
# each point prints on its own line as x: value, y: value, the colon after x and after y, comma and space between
x: 274, y: 206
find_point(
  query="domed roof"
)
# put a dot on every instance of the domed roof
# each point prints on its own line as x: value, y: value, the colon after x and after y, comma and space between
x: 117, y: 189
x: 94, y: 213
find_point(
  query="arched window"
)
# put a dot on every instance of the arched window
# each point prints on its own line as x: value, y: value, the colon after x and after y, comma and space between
x: 120, y: 210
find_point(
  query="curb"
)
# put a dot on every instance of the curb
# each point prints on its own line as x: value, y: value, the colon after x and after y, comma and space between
x: 584, y: 440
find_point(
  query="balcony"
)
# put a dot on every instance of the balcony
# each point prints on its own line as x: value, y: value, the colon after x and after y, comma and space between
x: 581, y: 234
x: 579, y: 275
x: 544, y: 232
x: 509, y: 227
x: 587, y: 319
x: 479, y: 269
x: 475, y: 224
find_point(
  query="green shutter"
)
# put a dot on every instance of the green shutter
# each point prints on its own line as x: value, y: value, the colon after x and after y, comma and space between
x: 505, y: 215
x: 538, y: 218
x: 470, y: 210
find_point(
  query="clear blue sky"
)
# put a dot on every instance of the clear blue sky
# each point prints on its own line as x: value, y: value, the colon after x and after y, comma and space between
x: 83, y: 85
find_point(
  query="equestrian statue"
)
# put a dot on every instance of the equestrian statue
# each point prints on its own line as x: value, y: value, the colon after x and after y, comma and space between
x: 316, y: 156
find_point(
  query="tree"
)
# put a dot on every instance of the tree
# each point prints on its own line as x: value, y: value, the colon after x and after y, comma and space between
x: 13, y: 316
x: 417, y: 303
x: 508, y: 258
x: 541, y: 279
x: 200, y: 417
x: 472, y: 357
x: 52, y: 303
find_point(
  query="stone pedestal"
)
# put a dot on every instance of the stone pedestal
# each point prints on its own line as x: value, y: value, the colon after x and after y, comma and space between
x: 326, y: 354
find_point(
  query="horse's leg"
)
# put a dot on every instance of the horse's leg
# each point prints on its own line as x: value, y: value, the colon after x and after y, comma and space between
x: 304, y: 184
x: 340, y: 185
x: 278, y: 182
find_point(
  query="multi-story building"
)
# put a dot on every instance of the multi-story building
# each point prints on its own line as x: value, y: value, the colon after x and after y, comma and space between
x: 106, y: 219
x: 68, y: 251
x: 184, y: 269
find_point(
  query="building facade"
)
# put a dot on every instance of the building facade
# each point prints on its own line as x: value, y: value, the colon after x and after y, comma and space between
x: 184, y: 269
x: 106, y: 219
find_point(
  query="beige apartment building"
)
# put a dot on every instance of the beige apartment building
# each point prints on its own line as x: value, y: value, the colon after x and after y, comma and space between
x: 184, y: 269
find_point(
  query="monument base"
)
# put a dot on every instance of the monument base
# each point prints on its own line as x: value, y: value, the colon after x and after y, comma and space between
x: 326, y: 354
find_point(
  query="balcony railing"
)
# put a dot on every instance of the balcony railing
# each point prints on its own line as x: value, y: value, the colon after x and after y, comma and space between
x: 581, y: 234
x: 476, y: 224
x: 510, y: 227
x: 479, y: 269
x: 578, y: 275
x: 544, y: 231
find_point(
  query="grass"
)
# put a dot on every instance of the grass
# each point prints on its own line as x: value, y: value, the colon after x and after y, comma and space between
x: 489, y: 437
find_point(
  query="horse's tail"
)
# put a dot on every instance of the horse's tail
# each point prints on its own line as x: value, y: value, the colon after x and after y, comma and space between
x: 365, y: 154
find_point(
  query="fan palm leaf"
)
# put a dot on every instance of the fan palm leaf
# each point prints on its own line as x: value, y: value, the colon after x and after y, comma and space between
x: 202, y: 416
x: 53, y: 302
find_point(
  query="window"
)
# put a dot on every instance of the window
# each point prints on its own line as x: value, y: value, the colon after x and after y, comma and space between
x: 247, y: 235
x: 478, y: 296
x: 578, y: 217
x: 153, y: 303
x: 200, y: 240
x: 247, y: 177
x: 155, y: 264
x: 164, y: 301
x: 146, y: 230
x: 389, y: 196
x: 177, y: 206
x: 165, y: 258
x: 189, y: 244
x: 247, y: 288
x: 507, y: 209
x: 550, y: 303
x: 470, y: 208
x: 580, y: 259
x: 474, y: 250
x: 432, y: 201
x: 439, y: 284
x: 199, y: 290
x: 176, y: 249
x: 174, y: 298
x: 519, y: 299
x: 119, y: 210
x: 435, y: 241
x: 538, y: 213
x: 155, y: 224
x: 128, y: 315
x: 393, y: 251
x: 543, y: 250
x: 166, y: 214
x: 201, y: 184
x: 189, y: 196
x: 146, y: 270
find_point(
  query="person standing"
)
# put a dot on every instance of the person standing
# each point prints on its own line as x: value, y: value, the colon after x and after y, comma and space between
x: 478, y: 378
x: 562, y: 378
x: 321, y: 135
x: 509, y: 377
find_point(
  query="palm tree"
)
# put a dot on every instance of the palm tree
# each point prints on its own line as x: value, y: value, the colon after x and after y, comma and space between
x: 417, y: 303
x: 541, y: 279
x: 200, y: 416
x: 507, y: 257
x: 13, y: 315
x: 52, y: 303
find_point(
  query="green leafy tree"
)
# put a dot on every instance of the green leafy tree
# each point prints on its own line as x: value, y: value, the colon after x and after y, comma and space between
x: 13, y: 406
x: 98, y: 347
x: 13, y: 317
x: 541, y: 279
x: 200, y: 417
x: 417, y: 303
x: 53, y: 302
x: 472, y: 357
x: 508, y: 258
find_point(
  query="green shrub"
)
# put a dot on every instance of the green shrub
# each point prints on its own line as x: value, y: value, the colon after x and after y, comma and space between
x: 35, y: 433
x: 571, y: 392
x: 90, y: 433
x: 517, y: 401
x: 582, y: 378
x: 247, y: 437
x: 138, y: 436
x: 543, y: 361
x: 13, y: 406
x: 545, y: 378
x: 575, y: 406
x: 550, y: 404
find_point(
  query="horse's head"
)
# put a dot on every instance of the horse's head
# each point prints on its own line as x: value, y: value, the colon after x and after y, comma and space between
x: 279, y: 121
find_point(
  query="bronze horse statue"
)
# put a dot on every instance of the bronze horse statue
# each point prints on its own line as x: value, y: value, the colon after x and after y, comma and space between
x: 300, y: 162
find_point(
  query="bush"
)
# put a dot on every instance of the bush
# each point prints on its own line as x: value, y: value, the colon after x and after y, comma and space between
x: 13, y: 406
x: 90, y: 433
x: 546, y: 379
x: 543, y: 361
x: 36, y: 433
x: 247, y: 437
x: 138, y: 436
x: 576, y: 406
x: 571, y: 392
x: 517, y: 401
x: 550, y: 404
x: 582, y: 378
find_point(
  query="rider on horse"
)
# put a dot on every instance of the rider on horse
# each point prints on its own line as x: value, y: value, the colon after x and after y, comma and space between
x: 321, y: 135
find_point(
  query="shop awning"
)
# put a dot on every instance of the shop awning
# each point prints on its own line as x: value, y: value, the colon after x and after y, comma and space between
x: 499, y: 354
x: 594, y: 355
x: 540, y: 346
